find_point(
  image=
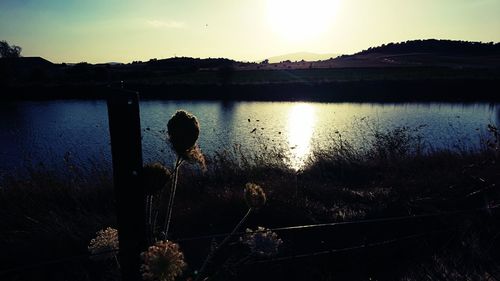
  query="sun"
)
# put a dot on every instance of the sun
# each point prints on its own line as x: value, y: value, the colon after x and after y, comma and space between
x: 298, y: 20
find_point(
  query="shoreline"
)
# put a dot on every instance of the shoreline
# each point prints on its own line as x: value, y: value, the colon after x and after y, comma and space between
x: 420, y: 90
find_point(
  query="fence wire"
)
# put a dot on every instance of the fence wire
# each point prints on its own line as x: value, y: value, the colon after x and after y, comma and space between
x: 352, y: 248
x: 355, y: 222
x: 290, y: 228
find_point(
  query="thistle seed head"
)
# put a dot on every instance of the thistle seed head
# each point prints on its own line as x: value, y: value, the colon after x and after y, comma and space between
x: 254, y: 195
x: 183, y: 130
x: 162, y: 262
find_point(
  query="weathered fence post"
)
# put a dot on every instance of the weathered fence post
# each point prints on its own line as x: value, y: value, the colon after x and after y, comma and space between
x: 125, y: 132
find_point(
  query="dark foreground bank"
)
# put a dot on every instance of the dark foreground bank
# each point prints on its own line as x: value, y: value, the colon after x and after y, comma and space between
x: 403, y: 214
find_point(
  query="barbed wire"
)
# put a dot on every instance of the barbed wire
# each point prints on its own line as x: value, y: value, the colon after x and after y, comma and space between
x: 301, y: 227
x: 352, y: 248
x: 334, y: 224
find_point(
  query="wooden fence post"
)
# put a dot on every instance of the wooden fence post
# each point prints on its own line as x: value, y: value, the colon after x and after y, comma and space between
x: 126, y: 150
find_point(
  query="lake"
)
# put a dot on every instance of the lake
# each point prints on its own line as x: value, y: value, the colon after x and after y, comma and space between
x: 48, y: 131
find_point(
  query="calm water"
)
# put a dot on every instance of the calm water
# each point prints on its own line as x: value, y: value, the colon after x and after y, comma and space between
x: 47, y: 131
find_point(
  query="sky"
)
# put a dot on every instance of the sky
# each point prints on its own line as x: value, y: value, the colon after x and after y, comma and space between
x: 246, y: 30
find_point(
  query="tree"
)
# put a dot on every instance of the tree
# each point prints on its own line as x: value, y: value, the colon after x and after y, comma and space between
x: 8, y: 51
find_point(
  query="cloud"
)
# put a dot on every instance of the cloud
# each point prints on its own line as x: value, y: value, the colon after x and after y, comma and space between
x: 166, y: 24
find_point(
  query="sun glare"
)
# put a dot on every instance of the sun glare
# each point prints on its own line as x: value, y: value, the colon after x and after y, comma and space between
x: 301, y: 119
x: 298, y: 20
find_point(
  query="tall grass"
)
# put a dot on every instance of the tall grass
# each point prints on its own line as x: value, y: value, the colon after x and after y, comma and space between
x: 52, y: 213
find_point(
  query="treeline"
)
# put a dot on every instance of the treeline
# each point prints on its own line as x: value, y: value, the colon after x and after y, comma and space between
x: 38, y: 70
x: 436, y: 46
x: 151, y: 68
x: 188, y: 63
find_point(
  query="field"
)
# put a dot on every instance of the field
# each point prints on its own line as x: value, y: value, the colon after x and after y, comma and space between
x: 319, y: 75
x: 409, y: 214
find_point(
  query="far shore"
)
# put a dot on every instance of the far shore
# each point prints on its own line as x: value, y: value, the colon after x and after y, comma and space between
x: 414, y: 90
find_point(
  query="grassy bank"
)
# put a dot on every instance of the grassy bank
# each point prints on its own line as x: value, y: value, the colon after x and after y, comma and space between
x: 283, y: 76
x: 50, y: 214
x: 375, y: 89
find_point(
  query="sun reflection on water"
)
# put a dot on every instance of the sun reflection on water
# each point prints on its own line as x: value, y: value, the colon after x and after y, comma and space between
x: 301, y: 121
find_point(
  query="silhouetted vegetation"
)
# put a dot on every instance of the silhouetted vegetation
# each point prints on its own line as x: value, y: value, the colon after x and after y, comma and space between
x: 469, y: 70
x: 186, y: 63
x: 52, y: 213
x: 8, y: 51
x: 450, y: 47
x: 47, y: 213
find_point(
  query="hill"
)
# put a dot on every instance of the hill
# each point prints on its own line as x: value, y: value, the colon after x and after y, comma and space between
x: 306, y: 56
x: 437, y: 46
x: 26, y: 68
x: 428, y: 53
x: 25, y: 63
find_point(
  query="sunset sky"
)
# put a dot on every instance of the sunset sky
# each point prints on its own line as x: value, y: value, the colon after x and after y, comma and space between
x: 248, y: 30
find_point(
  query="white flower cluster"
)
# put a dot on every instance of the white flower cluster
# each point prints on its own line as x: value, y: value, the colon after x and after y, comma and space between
x: 104, y: 245
x: 262, y: 241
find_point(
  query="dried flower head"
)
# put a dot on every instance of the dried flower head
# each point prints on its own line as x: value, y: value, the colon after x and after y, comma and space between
x: 183, y: 131
x: 155, y: 177
x: 255, y: 197
x: 195, y: 155
x: 262, y: 242
x: 162, y: 262
x: 104, y: 245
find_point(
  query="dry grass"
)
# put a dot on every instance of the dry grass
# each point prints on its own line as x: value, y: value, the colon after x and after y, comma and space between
x: 48, y: 214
